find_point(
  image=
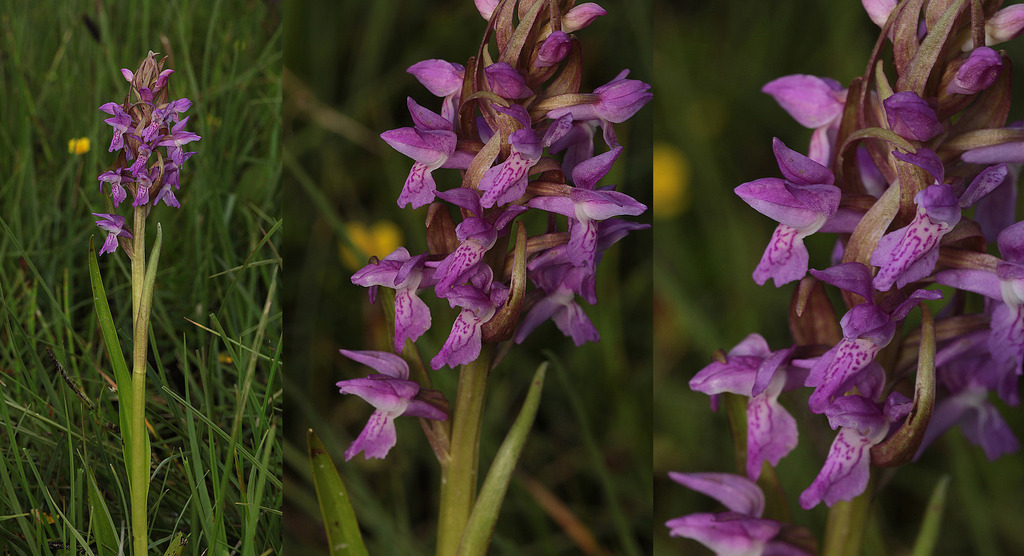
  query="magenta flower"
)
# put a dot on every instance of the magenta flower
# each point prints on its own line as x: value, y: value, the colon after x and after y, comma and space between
x: 741, y: 531
x: 847, y: 467
x: 560, y: 284
x: 116, y: 179
x: 392, y: 394
x: 406, y: 275
x: 178, y: 137
x: 801, y: 203
x: 121, y: 122
x: 479, y: 301
x: 910, y: 253
x: 115, y: 227
x: 506, y: 82
x: 751, y: 369
x: 581, y: 16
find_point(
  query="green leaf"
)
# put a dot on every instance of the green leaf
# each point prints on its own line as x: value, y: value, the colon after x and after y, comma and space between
x: 339, y: 519
x: 177, y: 545
x: 122, y: 377
x: 477, y: 535
x: 103, y: 525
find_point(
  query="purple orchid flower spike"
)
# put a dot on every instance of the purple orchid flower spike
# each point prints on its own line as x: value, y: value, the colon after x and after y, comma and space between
x: 910, y: 117
x: 560, y: 284
x: 739, y: 531
x: 392, y: 394
x: 815, y: 103
x: 405, y: 274
x: 863, y: 425
x: 801, y: 203
x: 751, y: 369
x: 910, y: 253
x: 115, y: 227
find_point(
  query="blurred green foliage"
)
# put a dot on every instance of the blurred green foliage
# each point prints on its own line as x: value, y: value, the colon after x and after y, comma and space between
x: 714, y: 57
x: 345, y: 84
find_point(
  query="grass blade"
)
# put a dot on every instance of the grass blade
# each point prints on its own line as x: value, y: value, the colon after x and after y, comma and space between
x: 103, y: 525
x: 929, y: 533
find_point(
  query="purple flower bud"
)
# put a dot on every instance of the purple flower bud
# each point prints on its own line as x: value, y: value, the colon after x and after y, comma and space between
x: 506, y: 82
x: 1004, y: 25
x: 553, y: 50
x: 621, y: 98
x: 439, y: 77
x: 977, y: 73
x: 580, y: 16
x: 911, y: 117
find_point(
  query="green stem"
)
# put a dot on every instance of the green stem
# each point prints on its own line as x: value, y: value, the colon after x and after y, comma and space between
x: 459, y: 473
x: 142, y: 299
x: 846, y: 522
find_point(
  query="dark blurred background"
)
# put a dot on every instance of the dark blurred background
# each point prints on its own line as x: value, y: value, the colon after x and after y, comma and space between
x: 590, y: 449
x: 714, y: 130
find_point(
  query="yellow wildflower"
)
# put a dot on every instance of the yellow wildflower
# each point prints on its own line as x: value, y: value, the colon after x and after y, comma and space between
x: 671, y: 181
x: 78, y: 145
x: 379, y: 239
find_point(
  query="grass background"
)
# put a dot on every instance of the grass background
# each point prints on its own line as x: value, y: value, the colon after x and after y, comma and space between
x: 345, y: 83
x: 714, y: 57
x: 214, y: 370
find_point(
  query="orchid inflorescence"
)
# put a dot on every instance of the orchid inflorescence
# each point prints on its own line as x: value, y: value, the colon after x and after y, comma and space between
x: 503, y: 120
x: 917, y: 179
x: 144, y: 122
